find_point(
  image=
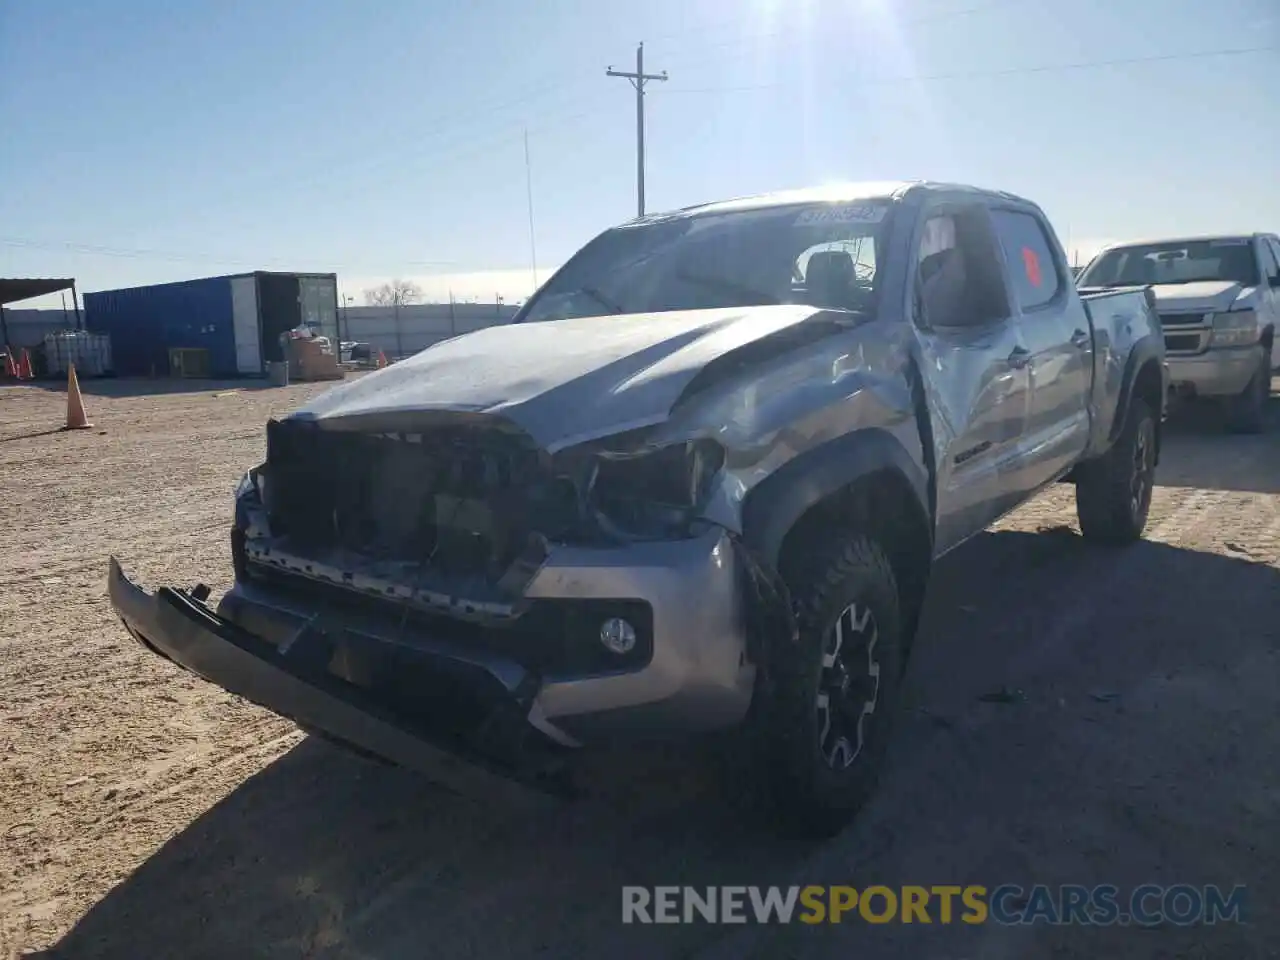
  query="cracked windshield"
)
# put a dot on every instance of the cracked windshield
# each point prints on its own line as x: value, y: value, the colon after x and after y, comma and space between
x: 722, y: 260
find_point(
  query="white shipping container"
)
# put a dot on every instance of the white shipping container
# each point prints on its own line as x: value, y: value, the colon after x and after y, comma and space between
x: 90, y: 352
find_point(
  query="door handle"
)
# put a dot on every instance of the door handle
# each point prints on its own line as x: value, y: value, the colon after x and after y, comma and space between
x: 1080, y: 339
x: 1019, y: 358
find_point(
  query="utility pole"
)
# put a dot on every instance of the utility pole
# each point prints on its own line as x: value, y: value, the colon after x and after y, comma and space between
x: 638, y: 80
x: 399, y: 341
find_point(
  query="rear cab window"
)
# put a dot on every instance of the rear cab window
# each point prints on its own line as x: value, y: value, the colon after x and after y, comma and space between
x: 1270, y: 266
x: 1033, y: 266
x: 1274, y: 243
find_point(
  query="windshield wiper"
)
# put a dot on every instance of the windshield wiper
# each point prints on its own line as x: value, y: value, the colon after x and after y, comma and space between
x: 732, y: 286
x: 603, y: 299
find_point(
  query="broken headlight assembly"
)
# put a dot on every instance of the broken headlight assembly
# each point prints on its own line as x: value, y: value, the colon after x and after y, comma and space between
x: 653, y: 493
x: 253, y: 480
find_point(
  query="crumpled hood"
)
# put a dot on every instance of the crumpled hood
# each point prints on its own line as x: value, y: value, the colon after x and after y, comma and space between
x: 563, y: 381
x: 1207, y: 295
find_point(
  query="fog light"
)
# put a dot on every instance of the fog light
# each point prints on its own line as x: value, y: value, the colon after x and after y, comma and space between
x: 617, y: 635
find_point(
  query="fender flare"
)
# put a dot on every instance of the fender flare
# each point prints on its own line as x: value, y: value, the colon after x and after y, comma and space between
x: 774, y: 505
x: 1147, y: 349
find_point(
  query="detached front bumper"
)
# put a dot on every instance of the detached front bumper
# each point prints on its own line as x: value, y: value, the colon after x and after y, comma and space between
x: 424, y: 696
x: 1221, y: 372
x: 298, y: 681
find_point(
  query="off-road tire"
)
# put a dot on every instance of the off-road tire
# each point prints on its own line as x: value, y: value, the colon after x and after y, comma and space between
x: 1112, y: 499
x: 847, y: 582
x: 1246, y: 413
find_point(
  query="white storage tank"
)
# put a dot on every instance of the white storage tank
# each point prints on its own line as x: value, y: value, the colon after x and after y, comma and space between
x: 90, y: 352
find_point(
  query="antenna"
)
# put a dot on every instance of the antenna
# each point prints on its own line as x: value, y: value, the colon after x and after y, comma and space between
x: 528, y: 181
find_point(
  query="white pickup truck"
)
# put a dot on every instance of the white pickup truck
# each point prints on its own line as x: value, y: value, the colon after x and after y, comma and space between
x: 1219, y: 303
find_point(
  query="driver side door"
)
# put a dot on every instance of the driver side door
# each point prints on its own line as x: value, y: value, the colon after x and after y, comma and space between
x: 975, y: 368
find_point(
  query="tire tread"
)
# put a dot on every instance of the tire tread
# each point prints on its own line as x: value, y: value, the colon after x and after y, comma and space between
x: 836, y: 571
x: 1102, y: 487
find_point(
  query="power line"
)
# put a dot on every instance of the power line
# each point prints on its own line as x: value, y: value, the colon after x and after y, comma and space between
x: 638, y: 80
x: 446, y: 149
x: 101, y: 250
x: 1012, y: 71
x: 924, y: 20
x: 445, y: 128
x: 441, y: 128
x: 93, y: 249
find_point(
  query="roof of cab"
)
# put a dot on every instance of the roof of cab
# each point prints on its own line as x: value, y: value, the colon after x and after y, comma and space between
x: 829, y: 193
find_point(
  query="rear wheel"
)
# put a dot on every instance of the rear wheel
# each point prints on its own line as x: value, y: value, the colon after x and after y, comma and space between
x: 829, y: 717
x: 1113, y: 492
x: 1247, y: 412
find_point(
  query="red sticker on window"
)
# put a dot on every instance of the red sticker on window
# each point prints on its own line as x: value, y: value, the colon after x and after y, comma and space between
x: 1032, y: 264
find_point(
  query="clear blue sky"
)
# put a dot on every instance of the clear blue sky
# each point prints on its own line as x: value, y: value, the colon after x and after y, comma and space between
x: 382, y: 138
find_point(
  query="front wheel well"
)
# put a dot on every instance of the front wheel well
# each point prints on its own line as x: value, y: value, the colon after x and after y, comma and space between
x: 883, y: 506
x: 1148, y: 387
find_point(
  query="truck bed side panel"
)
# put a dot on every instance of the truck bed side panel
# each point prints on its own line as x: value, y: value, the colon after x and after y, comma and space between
x: 1125, y: 328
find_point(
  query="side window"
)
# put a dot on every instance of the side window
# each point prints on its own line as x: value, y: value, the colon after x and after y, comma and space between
x: 958, y: 278
x: 1033, y: 267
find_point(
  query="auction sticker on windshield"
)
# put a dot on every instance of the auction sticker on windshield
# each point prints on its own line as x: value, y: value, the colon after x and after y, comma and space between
x: 843, y: 213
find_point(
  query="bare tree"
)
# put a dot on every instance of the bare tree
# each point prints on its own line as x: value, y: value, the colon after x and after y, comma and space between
x: 393, y: 294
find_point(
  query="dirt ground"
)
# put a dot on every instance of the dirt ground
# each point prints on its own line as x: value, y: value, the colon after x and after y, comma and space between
x: 144, y: 813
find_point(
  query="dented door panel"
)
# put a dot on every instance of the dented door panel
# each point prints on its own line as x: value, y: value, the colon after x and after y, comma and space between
x: 1126, y: 329
x: 978, y: 404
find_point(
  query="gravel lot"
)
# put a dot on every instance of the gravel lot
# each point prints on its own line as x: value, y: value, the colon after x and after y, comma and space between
x: 144, y: 813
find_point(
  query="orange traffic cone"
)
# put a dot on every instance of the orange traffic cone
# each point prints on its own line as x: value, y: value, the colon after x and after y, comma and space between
x: 382, y: 359
x: 76, y: 420
x: 24, y: 370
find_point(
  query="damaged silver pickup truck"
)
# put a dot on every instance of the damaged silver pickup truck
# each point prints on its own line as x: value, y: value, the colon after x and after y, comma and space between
x: 698, y: 483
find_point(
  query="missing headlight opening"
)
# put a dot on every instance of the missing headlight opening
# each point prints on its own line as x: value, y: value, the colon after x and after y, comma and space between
x: 470, y: 511
x: 460, y: 500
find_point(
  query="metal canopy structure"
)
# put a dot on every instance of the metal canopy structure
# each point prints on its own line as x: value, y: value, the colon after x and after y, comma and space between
x: 24, y: 288
x: 13, y: 289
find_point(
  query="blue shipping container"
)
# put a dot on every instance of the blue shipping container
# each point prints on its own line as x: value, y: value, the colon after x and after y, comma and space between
x: 144, y: 323
x: 235, y: 319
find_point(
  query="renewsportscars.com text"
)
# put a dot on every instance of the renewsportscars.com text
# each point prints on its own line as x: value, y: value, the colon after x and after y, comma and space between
x: 1008, y: 904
